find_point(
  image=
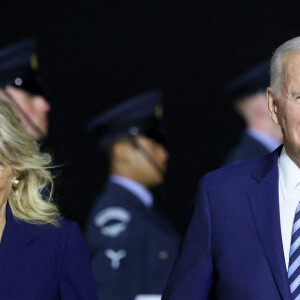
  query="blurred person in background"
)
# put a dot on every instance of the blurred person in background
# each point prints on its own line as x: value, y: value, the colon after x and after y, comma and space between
x: 132, y: 247
x: 248, y: 93
x: 21, y: 86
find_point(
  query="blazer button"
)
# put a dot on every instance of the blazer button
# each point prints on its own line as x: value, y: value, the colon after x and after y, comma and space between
x: 163, y: 254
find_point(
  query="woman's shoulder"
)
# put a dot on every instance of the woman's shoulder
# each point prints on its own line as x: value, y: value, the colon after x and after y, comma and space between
x: 62, y: 233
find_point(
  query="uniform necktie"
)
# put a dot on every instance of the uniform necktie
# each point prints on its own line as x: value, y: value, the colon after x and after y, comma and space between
x: 294, y: 257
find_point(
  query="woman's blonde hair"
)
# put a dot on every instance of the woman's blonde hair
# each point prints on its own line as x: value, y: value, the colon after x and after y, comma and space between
x: 32, y: 200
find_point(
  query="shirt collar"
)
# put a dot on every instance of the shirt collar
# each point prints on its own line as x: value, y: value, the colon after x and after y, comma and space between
x: 270, y: 143
x: 289, y: 173
x: 134, y: 187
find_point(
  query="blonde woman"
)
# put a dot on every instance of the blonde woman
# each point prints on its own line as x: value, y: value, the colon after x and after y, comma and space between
x: 42, y: 256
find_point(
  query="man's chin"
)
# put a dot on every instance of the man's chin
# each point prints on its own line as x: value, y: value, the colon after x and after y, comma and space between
x: 38, y: 136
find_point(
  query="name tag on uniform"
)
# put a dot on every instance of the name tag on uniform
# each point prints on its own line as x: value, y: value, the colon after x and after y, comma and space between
x: 148, y: 297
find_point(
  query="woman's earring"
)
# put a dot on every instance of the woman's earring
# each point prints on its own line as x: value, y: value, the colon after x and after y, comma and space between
x: 16, y: 183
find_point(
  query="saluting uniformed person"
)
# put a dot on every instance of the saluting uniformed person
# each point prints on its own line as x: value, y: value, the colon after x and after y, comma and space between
x: 132, y: 248
x: 20, y: 85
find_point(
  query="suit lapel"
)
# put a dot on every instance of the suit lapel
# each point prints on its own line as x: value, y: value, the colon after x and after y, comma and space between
x: 23, y: 260
x: 264, y: 201
x: 16, y: 236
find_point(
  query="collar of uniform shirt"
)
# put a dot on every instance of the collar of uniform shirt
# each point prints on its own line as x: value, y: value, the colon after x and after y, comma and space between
x: 289, y: 174
x: 134, y: 187
x: 270, y: 143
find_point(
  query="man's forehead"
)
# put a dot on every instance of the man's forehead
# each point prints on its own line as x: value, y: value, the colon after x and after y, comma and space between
x: 291, y: 62
x: 290, y: 70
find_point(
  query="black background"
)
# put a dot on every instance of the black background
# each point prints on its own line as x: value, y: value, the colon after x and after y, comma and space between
x: 94, y: 54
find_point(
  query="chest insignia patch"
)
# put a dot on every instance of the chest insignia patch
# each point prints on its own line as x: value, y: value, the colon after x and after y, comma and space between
x: 115, y: 257
x: 112, y: 221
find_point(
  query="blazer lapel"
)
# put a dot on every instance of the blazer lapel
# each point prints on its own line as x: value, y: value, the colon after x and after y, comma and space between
x: 16, y: 236
x: 264, y: 201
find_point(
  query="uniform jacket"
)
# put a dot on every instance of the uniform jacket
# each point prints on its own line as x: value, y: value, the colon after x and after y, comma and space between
x: 248, y: 147
x: 43, y: 262
x: 233, y: 247
x: 132, y: 248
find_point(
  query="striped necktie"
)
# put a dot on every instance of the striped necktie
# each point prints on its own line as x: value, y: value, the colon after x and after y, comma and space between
x: 294, y: 259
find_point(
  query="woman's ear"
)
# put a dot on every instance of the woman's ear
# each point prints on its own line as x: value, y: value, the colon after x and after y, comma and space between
x: 16, y: 174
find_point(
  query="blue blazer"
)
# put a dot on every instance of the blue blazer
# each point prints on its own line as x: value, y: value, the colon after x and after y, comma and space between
x: 233, y: 246
x: 44, y: 262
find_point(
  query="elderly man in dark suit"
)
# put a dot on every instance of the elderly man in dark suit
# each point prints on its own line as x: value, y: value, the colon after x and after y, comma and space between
x: 243, y: 238
x: 132, y: 248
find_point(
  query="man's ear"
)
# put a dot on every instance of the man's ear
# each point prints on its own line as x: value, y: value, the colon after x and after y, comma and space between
x: 121, y: 151
x: 272, y: 106
x: 2, y: 94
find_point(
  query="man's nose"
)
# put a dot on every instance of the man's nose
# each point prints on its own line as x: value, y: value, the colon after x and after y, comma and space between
x: 43, y: 104
x: 164, y: 153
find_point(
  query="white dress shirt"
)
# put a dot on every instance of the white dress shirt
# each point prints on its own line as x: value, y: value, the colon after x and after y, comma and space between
x: 289, y: 197
x: 135, y: 188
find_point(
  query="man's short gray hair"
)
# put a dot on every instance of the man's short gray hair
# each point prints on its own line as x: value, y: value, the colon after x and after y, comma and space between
x: 276, y: 71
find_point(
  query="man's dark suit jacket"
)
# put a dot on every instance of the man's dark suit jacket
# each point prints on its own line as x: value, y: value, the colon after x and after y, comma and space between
x: 43, y: 262
x: 247, y: 148
x: 233, y: 246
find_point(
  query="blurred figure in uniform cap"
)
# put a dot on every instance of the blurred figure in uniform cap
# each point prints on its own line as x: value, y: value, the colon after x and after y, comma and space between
x: 132, y: 248
x: 19, y: 84
x: 248, y: 93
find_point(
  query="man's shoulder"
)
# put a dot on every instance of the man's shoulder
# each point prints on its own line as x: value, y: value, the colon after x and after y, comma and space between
x: 241, y: 175
x: 112, y: 203
x: 230, y: 184
x: 242, y: 168
x: 233, y: 177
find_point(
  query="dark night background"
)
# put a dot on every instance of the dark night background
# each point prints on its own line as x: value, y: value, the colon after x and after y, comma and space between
x: 94, y: 54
